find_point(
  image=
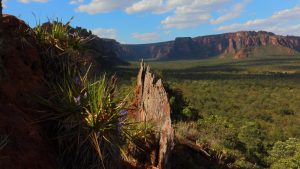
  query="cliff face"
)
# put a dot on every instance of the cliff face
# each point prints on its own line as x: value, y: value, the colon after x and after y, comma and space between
x: 105, y: 51
x: 238, y: 45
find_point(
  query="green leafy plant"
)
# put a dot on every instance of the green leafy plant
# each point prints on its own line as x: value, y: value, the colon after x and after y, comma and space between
x: 285, y: 154
x: 60, y: 35
x: 23, y: 34
x: 91, y: 120
x: 39, y: 31
x: 286, y: 111
x: 190, y: 113
x: 252, y: 136
x: 88, y: 121
x: 141, y: 141
x: 93, y: 126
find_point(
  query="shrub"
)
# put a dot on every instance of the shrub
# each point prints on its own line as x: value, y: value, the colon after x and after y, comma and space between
x: 181, y: 110
x: 188, y: 130
x: 286, y: 111
x: 285, y: 154
x: 220, y: 132
x: 141, y: 141
x: 60, y: 35
x: 251, y: 135
x: 190, y: 113
x: 90, y: 121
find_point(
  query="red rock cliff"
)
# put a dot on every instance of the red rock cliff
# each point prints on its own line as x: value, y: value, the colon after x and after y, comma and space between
x: 239, y: 45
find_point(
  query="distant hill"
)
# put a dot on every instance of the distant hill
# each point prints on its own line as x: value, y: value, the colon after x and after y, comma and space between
x: 235, y: 45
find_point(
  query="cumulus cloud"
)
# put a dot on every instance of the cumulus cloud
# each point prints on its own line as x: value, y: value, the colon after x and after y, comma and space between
x: 186, y: 13
x: 146, y: 37
x: 282, y: 22
x: 185, y: 21
x: 145, y: 5
x: 29, y: 1
x: 105, y: 33
x: 183, y: 13
x: 192, y: 13
x: 234, y: 13
x: 4, y: 3
x: 76, y: 2
x: 101, y: 6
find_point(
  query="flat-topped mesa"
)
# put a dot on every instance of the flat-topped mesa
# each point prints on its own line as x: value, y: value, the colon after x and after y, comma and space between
x: 236, y: 45
x: 153, y: 106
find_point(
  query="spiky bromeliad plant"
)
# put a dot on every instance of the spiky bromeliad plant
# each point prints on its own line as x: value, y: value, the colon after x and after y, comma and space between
x: 91, y: 123
x: 61, y: 48
x: 61, y: 35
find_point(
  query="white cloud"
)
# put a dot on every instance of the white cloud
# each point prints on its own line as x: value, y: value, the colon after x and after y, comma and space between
x: 105, y: 33
x: 184, y: 13
x: 101, y: 6
x: 4, y: 3
x: 288, y: 30
x: 234, y: 13
x: 282, y: 22
x: 185, y: 21
x: 145, y: 5
x: 76, y: 2
x: 146, y: 37
x: 29, y: 1
x: 167, y: 32
x: 191, y: 13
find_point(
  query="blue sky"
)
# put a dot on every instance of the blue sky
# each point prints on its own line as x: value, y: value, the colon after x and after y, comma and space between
x: 146, y: 21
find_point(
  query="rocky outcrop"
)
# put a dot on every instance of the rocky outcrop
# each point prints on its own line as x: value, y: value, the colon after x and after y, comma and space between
x: 237, y: 45
x: 153, y: 106
x: 105, y: 51
x: 21, y: 76
x: 102, y: 52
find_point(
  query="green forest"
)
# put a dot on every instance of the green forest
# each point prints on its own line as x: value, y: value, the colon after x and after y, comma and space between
x: 246, y: 110
x: 79, y: 102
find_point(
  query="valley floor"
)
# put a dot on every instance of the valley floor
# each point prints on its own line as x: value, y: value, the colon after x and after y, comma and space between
x: 239, y: 107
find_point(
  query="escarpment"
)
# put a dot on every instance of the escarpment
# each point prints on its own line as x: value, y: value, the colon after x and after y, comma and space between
x: 234, y: 45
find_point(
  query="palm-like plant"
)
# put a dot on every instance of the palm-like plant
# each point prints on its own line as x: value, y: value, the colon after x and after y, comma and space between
x: 60, y: 35
x: 90, y: 121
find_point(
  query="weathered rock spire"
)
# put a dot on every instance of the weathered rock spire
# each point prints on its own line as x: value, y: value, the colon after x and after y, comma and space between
x: 153, y: 105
